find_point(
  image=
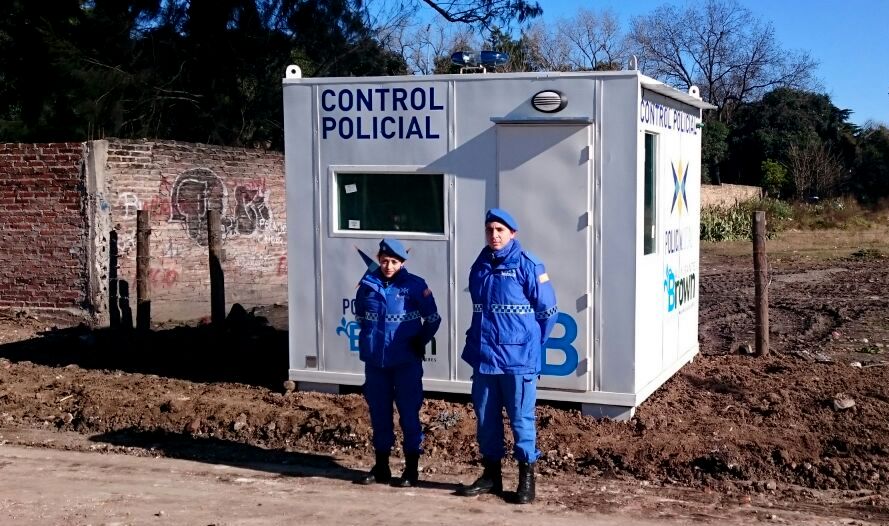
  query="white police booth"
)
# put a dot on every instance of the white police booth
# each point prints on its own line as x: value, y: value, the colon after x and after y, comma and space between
x: 601, y: 170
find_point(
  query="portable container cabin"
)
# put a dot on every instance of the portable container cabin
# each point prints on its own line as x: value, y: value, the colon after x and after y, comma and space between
x: 602, y: 170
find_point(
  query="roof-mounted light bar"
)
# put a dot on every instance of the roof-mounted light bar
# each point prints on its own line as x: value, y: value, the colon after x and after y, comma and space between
x: 479, y: 60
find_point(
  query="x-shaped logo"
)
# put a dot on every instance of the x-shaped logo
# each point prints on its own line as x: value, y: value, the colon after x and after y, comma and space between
x: 679, y: 187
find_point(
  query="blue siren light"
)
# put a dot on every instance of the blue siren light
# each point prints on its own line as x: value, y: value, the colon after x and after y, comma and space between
x: 479, y: 58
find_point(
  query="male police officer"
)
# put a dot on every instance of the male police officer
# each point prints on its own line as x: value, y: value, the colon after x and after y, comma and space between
x: 514, y: 311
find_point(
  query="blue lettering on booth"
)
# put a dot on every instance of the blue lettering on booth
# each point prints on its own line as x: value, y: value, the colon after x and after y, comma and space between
x: 380, y: 113
x: 563, y: 343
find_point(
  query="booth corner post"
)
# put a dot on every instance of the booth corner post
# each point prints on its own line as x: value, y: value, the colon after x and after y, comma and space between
x: 761, y: 286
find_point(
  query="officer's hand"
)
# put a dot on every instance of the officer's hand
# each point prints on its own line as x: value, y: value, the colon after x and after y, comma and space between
x: 417, y: 347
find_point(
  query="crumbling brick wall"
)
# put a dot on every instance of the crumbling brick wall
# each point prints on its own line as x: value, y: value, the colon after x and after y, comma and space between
x: 176, y: 183
x: 43, y: 252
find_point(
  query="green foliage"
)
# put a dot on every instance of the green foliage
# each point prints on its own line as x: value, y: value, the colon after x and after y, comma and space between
x: 736, y: 222
x: 841, y: 213
x: 783, y: 119
x: 714, y: 149
x: 774, y: 178
x: 725, y: 224
x: 870, y: 180
x: 199, y: 70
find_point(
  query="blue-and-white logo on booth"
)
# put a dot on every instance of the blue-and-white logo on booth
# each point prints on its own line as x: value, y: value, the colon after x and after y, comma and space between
x: 563, y: 343
x: 681, y: 291
x: 670, y: 287
x: 350, y: 330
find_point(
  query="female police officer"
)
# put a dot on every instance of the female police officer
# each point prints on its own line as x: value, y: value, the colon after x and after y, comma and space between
x: 398, y: 318
x: 514, y: 310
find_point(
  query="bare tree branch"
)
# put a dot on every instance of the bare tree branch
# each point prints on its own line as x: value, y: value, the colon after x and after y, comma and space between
x: 586, y: 41
x: 726, y: 51
x: 484, y: 12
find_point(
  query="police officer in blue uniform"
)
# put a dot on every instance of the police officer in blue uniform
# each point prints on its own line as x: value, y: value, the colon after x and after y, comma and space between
x: 514, y: 311
x: 398, y: 318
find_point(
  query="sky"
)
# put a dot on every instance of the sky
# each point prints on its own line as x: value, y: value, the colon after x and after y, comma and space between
x: 849, y: 39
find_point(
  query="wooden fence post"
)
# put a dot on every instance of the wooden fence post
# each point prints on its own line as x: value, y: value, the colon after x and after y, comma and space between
x: 217, y: 278
x: 143, y: 263
x: 761, y: 282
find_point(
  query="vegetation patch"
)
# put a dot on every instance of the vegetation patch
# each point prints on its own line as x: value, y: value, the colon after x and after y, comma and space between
x: 736, y: 222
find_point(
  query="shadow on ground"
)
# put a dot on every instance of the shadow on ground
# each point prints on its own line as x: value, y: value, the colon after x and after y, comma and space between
x: 218, y: 451
x: 184, y: 446
x: 246, y: 350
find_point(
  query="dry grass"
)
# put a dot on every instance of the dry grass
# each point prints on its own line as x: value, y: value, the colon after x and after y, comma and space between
x: 840, y: 212
x: 872, y: 242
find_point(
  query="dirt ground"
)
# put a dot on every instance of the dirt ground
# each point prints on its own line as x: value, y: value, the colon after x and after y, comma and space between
x: 801, y: 436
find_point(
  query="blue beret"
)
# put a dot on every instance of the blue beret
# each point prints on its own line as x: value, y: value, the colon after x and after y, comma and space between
x: 393, y: 247
x: 501, y: 216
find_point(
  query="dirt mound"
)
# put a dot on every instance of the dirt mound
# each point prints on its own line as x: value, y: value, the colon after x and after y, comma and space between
x: 813, y: 414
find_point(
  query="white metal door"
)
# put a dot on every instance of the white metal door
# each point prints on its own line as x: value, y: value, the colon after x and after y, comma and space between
x: 544, y: 181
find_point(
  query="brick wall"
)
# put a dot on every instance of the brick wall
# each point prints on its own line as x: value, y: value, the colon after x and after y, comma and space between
x: 43, y: 252
x: 177, y: 182
x: 726, y: 195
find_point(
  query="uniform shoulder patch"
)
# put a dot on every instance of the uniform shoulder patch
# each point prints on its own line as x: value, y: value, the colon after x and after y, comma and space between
x: 531, y: 257
x: 543, y: 278
x: 427, y: 292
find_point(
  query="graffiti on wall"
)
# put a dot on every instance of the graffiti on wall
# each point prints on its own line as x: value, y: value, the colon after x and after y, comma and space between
x: 252, y: 212
x: 194, y: 193
x: 130, y: 203
x: 245, y: 212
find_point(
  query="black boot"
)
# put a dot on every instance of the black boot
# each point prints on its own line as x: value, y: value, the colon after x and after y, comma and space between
x: 524, y: 493
x: 411, y: 471
x: 491, y: 480
x: 380, y: 472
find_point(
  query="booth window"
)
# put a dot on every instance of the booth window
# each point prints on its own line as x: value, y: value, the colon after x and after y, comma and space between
x: 650, y: 220
x: 390, y: 202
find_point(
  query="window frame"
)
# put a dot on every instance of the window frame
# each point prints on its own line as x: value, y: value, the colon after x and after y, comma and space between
x: 333, y: 201
x: 654, y: 192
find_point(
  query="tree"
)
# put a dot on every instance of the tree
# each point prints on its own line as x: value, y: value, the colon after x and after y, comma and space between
x: 721, y: 47
x: 427, y: 48
x: 814, y: 169
x: 461, y: 25
x: 485, y: 13
x: 870, y: 179
x: 714, y: 150
x: 595, y: 38
x: 518, y: 50
x: 785, y: 118
x: 774, y: 178
x: 194, y: 70
x: 587, y: 41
